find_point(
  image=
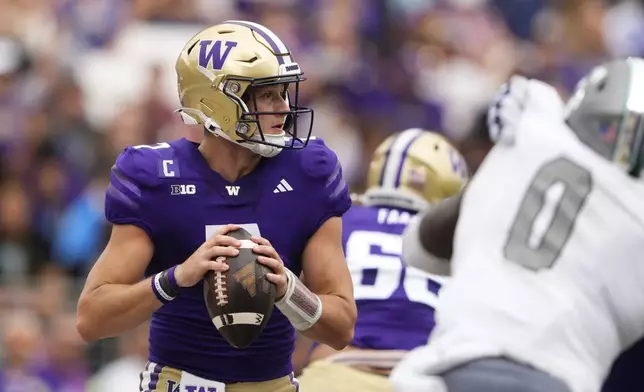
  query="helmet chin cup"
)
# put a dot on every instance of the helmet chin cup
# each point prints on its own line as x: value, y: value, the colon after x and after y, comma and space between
x: 267, y: 150
x: 264, y: 150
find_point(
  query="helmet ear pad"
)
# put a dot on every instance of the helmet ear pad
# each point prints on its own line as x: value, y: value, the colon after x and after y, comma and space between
x: 248, y: 126
x: 216, y: 107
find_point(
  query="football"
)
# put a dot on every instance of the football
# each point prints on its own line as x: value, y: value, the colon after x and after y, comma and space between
x: 240, y: 301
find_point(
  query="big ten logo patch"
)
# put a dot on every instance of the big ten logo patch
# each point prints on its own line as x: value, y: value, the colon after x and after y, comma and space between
x: 189, y: 189
x: 214, y: 53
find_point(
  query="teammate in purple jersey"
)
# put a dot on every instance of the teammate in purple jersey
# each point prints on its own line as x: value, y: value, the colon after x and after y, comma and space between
x: 409, y: 171
x: 172, y: 204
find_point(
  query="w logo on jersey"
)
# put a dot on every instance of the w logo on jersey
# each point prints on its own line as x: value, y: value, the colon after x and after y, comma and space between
x: 215, y: 53
x: 232, y: 190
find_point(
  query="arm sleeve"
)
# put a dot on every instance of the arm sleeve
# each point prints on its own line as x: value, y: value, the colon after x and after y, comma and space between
x: 130, y: 185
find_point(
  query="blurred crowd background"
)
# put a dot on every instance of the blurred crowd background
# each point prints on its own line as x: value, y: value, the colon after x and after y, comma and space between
x: 82, y: 79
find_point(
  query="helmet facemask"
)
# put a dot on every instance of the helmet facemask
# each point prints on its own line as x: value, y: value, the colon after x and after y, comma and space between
x: 606, y: 113
x: 298, y: 120
x: 629, y: 143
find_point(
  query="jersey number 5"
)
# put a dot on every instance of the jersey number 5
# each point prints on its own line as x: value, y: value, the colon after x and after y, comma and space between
x: 547, y: 214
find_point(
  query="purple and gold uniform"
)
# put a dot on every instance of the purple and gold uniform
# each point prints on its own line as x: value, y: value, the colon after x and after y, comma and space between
x: 169, y: 191
x: 395, y: 302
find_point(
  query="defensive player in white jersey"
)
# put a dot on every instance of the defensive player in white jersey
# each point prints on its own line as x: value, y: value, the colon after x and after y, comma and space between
x: 548, y: 257
x: 409, y: 171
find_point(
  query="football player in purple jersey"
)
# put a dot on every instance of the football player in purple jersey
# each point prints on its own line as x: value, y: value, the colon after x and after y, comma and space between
x: 171, y: 205
x: 410, y: 171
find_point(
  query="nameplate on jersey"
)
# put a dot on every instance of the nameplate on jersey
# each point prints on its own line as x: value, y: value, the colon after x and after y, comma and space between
x: 191, y: 383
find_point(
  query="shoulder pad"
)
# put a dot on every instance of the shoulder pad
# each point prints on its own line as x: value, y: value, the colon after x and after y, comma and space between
x: 322, y: 166
x: 135, y: 175
x: 318, y: 161
x: 143, y: 164
x: 130, y: 175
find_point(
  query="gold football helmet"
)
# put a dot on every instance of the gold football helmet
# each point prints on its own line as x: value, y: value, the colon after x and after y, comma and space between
x: 217, y: 71
x: 413, y: 169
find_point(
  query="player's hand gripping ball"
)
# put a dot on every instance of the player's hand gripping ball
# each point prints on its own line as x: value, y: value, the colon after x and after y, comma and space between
x: 240, y: 300
x: 269, y: 257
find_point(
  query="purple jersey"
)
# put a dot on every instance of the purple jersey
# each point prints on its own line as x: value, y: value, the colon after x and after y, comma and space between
x: 395, y: 303
x: 169, y: 191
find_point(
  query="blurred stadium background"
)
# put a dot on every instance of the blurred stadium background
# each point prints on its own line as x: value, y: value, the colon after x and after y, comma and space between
x: 82, y: 79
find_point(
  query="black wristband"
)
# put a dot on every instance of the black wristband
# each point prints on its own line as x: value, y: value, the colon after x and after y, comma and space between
x: 168, y: 282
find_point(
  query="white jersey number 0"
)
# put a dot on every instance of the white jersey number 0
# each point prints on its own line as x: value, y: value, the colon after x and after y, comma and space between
x: 547, y: 214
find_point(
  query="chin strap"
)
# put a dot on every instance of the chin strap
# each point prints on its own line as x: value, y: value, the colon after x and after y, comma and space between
x: 258, y: 148
x: 265, y: 150
x: 301, y: 307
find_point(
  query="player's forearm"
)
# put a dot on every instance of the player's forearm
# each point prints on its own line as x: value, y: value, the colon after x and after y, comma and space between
x: 335, y: 327
x: 415, y: 254
x: 326, y: 318
x: 437, y: 226
x: 112, y: 309
x: 428, y: 239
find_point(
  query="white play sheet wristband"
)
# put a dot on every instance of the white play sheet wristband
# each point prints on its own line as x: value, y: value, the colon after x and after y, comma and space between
x: 301, y: 307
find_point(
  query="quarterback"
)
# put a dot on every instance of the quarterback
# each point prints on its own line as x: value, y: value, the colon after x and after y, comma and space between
x: 548, y: 261
x: 409, y: 171
x: 171, y: 205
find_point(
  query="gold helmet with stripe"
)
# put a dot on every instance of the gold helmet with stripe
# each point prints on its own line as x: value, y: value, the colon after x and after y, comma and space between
x: 226, y: 75
x: 413, y: 169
